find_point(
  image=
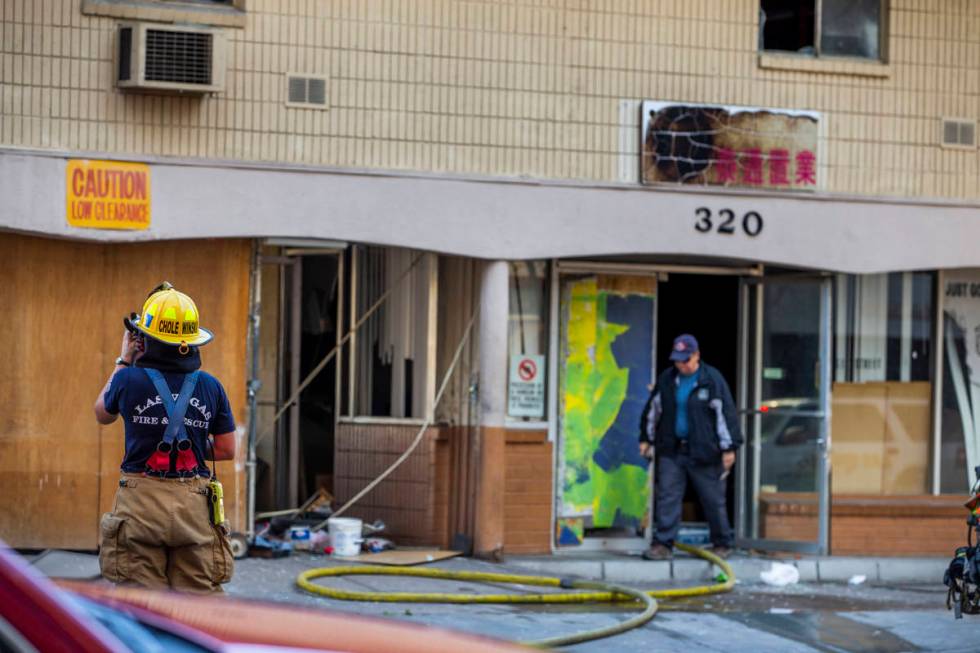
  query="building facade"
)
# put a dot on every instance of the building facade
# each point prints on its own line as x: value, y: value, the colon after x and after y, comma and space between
x: 795, y: 183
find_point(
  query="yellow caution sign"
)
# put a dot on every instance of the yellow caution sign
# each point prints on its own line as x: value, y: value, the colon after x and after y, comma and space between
x: 107, y: 194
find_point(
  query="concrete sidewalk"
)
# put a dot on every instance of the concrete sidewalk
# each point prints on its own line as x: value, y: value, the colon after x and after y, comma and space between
x: 628, y: 568
x: 624, y: 568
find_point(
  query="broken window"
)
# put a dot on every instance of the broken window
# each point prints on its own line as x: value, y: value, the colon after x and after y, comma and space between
x: 393, y: 348
x: 787, y: 25
x: 843, y: 28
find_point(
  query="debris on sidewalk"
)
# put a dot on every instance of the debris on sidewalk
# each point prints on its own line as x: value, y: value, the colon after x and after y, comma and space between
x: 857, y: 579
x: 377, y: 545
x: 373, y: 528
x: 280, y: 532
x: 265, y: 547
x: 300, y: 538
x: 694, y: 535
x: 780, y: 575
x: 316, y: 502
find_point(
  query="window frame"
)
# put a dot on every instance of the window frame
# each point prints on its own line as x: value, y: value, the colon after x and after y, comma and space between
x: 348, y: 412
x: 229, y: 14
x: 883, y: 22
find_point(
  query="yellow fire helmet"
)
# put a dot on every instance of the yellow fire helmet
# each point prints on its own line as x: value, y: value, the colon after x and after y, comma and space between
x: 170, y: 316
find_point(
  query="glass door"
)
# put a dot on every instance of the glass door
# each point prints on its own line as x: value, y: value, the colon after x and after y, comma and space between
x: 785, y: 407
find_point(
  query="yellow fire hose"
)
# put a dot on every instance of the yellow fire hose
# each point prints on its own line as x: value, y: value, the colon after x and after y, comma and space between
x: 601, y: 592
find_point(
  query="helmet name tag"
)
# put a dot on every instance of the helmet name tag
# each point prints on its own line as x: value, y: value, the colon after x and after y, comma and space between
x: 169, y: 326
x: 188, y: 328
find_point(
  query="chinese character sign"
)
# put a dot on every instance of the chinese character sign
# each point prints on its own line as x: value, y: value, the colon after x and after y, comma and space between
x: 729, y: 146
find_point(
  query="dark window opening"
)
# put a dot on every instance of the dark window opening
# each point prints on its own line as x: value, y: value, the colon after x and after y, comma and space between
x: 788, y: 25
x: 389, y: 350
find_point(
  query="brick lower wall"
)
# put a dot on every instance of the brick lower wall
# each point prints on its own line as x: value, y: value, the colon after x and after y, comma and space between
x: 407, y: 500
x: 528, y: 492
x: 871, y: 525
x: 416, y: 501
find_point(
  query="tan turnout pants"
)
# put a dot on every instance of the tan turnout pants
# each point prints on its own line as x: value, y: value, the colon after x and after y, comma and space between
x: 159, y: 536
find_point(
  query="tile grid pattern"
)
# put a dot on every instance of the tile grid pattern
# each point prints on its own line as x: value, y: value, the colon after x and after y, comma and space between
x: 511, y: 88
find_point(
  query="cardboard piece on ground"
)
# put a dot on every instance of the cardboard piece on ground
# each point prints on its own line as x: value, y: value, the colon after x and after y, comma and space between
x: 403, y: 557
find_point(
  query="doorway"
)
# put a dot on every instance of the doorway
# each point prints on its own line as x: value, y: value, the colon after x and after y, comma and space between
x: 706, y: 306
x: 317, y: 402
x: 615, y: 325
x: 302, y: 293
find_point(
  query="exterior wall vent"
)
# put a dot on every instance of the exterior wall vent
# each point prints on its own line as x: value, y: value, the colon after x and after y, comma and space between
x: 306, y: 91
x: 958, y: 132
x: 169, y: 59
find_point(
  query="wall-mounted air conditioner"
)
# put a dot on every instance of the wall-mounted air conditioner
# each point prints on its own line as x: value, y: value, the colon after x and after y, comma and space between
x: 170, y: 59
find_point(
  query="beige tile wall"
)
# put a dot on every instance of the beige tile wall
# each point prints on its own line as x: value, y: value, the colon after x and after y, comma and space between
x: 526, y: 87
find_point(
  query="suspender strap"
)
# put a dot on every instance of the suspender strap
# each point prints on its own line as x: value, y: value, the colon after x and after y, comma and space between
x: 175, y: 410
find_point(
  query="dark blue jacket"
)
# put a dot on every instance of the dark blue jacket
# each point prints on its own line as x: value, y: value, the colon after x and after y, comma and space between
x: 711, y: 417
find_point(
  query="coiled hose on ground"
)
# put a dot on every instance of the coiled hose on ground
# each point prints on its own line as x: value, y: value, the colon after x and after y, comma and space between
x: 598, y: 592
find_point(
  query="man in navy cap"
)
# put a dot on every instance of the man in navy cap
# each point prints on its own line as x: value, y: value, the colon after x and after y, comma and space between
x: 690, y: 422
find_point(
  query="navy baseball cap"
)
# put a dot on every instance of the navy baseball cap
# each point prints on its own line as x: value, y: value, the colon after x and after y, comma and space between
x: 684, y: 346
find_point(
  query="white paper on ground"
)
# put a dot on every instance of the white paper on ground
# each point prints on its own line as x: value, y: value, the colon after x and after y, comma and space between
x: 780, y: 575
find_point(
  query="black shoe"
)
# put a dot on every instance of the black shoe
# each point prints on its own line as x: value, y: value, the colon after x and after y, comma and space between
x: 658, y: 552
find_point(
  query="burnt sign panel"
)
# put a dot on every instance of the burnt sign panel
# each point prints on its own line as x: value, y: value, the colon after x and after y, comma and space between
x: 728, y: 146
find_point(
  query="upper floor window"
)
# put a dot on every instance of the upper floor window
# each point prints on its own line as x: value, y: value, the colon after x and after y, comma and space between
x: 219, y: 13
x: 842, y: 28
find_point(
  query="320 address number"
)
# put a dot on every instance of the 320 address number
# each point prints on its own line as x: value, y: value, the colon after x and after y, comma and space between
x: 751, y: 222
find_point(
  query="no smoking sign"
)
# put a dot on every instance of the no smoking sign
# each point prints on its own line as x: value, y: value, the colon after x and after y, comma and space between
x: 527, y: 369
x: 525, y: 392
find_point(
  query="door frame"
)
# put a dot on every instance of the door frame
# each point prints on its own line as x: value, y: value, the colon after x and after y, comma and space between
x: 751, y: 325
x: 286, y: 432
x: 660, y: 272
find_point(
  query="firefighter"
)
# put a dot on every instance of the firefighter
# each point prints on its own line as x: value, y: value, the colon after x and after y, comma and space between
x: 161, y: 532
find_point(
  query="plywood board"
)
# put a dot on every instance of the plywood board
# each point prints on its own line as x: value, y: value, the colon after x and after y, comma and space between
x: 858, y: 427
x: 906, y: 446
x: 65, y: 302
x: 402, y: 557
x: 56, y: 359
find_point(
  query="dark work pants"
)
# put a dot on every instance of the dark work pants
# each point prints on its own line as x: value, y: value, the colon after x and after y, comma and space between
x: 673, y: 473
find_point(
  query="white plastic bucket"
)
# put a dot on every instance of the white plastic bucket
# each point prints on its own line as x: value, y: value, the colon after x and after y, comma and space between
x: 345, y: 536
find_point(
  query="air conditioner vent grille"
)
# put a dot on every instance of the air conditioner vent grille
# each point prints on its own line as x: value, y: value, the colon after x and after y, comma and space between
x: 297, y: 89
x: 959, y: 133
x: 178, y: 57
x: 317, y: 91
x: 306, y: 92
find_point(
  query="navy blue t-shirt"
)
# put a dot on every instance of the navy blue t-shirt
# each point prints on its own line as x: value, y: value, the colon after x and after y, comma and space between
x: 133, y: 395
